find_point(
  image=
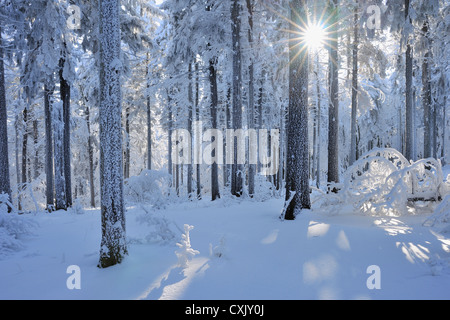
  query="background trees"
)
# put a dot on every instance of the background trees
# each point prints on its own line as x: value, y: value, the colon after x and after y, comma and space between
x: 227, y: 65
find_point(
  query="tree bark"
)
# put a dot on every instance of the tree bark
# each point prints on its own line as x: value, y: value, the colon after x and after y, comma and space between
x: 251, y: 98
x: 65, y: 97
x: 408, y: 93
x: 297, y: 166
x: 333, y: 115
x: 236, y: 169
x: 50, y: 193
x: 426, y: 99
x: 5, y: 184
x: 352, y: 157
x: 215, y: 192
x: 91, y: 157
x: 113, y: 246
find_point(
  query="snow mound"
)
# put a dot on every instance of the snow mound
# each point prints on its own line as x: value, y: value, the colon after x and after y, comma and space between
x: 150, y: 187
x: 383, y: 182
x: 13, y: 228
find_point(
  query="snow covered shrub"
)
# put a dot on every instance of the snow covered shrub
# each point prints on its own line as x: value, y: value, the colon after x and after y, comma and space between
x: 264, y: 189
x: 150, y: 186
x: 185, y: 253
x: 218, y: 251
x: 160, y: 229
x: 12, y: 228
x: 383, y: 182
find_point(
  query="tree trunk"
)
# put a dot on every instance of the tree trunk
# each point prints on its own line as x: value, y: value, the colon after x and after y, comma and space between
x: 126, y: 171
x: 426, y: 99
x: 236, y: 169
x: 113, y: 246
x: 333, y: 124
x: 5, y: 184
x: 91, y: 157
x: 190, y: 121
x: 408, y: 94
x: 215, y: 192
x: 58, y: 138
x: 24, y: 151
x: 149, y: 119
x: 352, y: 157
x: 297, y: 166
x: 197, y: 117
x: 50, y: 193
x: 65, y: 97
x: 251, y: 103
x: 319, y: 123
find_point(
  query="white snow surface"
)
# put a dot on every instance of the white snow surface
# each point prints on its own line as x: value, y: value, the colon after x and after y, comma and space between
x: 245, y: 252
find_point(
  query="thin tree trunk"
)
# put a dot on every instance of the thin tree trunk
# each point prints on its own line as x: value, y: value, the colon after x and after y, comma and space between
x: 215, y: 192
x: 50, y: 193
x: 5, y: 184
x: 197, y: 117
x: 126, y: 171
x: 251, y: 99
x: 352, y: 157
x: 190, y: 121
x: 24, y: 151
x: 65, y: 97
x: 58, y: 138
x: 236, y: 169
x: 149, y: 119
x: 319, y: 122
x: 408, y: 93
x: 91, y: 157
x: 333, y: 124
x: 426, y: 99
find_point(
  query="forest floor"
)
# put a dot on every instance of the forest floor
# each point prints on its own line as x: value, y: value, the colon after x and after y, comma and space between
x: 245, y: 252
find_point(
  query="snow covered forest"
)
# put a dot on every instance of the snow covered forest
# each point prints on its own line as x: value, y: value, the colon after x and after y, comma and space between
x: 224, y: 149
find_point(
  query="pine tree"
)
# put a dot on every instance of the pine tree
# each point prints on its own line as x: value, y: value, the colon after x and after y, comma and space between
x: 113, y: 245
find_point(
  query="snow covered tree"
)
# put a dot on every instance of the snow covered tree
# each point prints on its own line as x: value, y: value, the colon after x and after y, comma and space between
x: 297, y: 157
x: 113, y: 245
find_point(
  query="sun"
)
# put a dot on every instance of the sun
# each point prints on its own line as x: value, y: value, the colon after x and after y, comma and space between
x: 314, y: 36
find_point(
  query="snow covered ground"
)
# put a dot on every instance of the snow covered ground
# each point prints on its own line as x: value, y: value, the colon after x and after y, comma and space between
x: 245, y: 252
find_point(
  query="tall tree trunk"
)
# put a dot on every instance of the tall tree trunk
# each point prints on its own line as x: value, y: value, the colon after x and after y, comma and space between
x: 236, y: 169
x: 333, y: 115
x: 319, y: 122
x: 251, y: 98
x: 24, y: 150
x: 50, y: 193
x: 297, y: 180
x: 58, y: 138
x: 426, y: 98
x: 408, y: 93
x: 169, y: 133
x: 197, y: 118
x: 65, y: 97
x: 91, y: 157
x: 5, y: 184
x: 126, y: 171
x: 190, y: 122
x: 113, y: 246
x: 352, y: 157
x: 215, y: 192
x: 149, y: 119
